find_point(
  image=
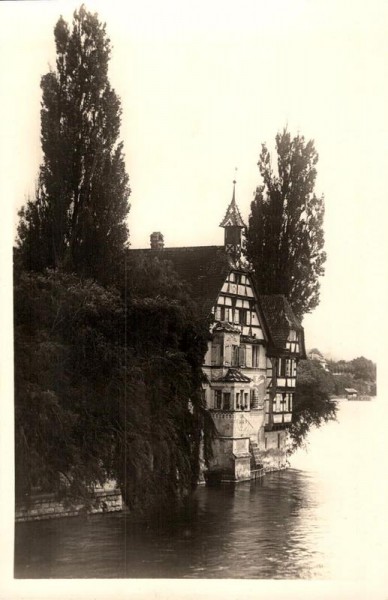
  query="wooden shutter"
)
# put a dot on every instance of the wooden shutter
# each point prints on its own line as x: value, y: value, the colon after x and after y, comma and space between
x: 248, y: 355
x: 242, y: 356
x: 216, y: 355
x: 228, y: 354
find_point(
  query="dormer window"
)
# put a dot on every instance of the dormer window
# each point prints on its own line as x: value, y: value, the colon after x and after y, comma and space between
x: 293, y: 341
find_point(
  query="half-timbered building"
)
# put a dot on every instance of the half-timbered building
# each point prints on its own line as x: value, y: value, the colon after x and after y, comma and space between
x: 250, y: 365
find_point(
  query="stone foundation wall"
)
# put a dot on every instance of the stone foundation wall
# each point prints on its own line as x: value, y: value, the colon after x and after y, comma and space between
x: 222, y: 454
x: 242, y: 468
x: 273, y: 450
x: 273, y: 460
x: 46, y: 506
x: 232, y: 460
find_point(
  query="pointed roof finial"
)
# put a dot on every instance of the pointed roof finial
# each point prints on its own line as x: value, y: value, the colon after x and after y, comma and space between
x: 232, y: 217
x: 234, y: 188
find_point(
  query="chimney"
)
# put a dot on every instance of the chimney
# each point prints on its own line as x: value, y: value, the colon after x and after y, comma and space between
x: 157, y: 241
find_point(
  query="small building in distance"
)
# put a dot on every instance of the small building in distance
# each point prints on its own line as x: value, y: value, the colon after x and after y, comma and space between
x: 255, y: 342
x: 316, y: 355
x: 351, y: 393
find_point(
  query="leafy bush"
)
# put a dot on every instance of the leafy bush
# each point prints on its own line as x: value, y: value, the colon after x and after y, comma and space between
x: 102, y: 390
x: 312, y: 404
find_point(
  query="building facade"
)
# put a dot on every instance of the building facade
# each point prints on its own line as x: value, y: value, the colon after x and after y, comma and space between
x: 316, y: 355
x: 250, y: 365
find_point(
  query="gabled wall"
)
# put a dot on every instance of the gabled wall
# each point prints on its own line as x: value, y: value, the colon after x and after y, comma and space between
x: 239, y: 345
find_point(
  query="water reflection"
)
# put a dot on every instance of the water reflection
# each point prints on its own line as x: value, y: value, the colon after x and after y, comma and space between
x: 324, y: 520
x: 255, y: 530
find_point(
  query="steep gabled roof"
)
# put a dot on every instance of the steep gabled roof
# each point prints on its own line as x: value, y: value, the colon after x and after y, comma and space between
x: 279, y: 319
x: 232, y: 216
x: 203, y: 268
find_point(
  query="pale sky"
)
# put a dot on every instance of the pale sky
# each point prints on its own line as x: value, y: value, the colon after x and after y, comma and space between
x: 202, y: 85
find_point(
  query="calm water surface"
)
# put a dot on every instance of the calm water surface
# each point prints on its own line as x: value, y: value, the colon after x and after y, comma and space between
x: 324, y: 518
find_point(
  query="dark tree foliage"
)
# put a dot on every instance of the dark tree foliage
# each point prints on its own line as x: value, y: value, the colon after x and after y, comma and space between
x: 313, y: 405
x: 342, y: 381
x: 107, y: 379
x: 69, y: 360
x: 360, y: 368
x: 77, y: 219
x: 364, y: 369
x: 284, y: 238
x: 106, y: 387
x: 359, y: 373
x: 169, y: 337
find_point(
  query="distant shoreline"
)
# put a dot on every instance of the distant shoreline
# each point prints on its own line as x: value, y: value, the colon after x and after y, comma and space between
x: 361, y: 398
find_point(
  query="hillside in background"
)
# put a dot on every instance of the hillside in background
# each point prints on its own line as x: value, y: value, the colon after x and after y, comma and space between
x: 359, y: 373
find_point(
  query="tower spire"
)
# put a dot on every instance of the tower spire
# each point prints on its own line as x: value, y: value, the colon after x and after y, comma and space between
x: 233, y: 226
x: 234, y: 191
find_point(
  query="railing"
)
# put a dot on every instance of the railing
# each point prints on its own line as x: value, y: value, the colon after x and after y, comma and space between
x: 257, y: 473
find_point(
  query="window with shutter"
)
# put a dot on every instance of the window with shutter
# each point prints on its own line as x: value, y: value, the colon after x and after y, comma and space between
x: 262, y: 358
x: 216, y: 355
x: 228, y: 354
x: 255, y: 356
x: 235, y: 356
x: 288, y: 367
x: 281, y: 367
x: 255, y: 398
x: 242, y: 356
x: 248, y: 355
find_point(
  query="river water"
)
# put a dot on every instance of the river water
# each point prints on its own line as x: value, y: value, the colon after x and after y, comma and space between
x: 324, y: 518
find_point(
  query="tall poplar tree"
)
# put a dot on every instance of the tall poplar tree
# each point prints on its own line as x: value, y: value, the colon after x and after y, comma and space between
x: 284, y: 238
x: 77, y: 220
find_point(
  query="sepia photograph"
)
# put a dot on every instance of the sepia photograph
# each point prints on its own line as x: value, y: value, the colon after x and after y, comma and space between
x: 194, y: 281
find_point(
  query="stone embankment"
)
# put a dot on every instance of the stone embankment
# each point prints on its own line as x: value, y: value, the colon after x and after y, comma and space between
x: 47, y: 506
